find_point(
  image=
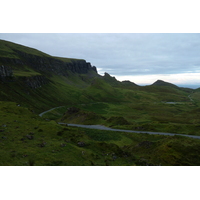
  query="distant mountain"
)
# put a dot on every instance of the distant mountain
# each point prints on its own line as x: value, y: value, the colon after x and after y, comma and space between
x: 114, y: 82
x: 163, y: 83
x: 128, y: 83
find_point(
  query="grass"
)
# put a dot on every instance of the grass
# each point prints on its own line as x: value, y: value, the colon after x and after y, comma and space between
x: 68, y: 60
x: 25, y: 73
x: 27, y: 139
x: 175, y: 118
x: 143, y: 110
x: 8, y: 50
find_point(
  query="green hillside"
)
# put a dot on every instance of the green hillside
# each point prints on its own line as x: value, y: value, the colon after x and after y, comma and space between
x: 8, y: 50
x: 32, y: 82
x: 27, y: 140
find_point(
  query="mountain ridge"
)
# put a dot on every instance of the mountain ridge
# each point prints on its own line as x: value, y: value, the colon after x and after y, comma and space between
x: 42, y: 81
x: 20, y: 57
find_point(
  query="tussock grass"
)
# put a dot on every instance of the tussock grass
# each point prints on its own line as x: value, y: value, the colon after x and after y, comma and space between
x: 26, y: 139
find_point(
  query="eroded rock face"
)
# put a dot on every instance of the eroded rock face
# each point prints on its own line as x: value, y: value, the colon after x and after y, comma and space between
x: 58, y: 67
x: 35, y: 81
x: 5, y: 71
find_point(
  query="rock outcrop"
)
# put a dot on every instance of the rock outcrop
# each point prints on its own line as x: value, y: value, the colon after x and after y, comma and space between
x: 5, y: 71
x: 111, y: 80
x: 24, y: 59
x: 35, y: 81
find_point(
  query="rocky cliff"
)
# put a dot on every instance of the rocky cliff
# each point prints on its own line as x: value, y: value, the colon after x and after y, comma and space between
x: 32, y: 68
x: 48, y: 64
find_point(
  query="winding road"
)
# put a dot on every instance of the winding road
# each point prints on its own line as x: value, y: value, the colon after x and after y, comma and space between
x: 49, y: 110
x: 100, y: 127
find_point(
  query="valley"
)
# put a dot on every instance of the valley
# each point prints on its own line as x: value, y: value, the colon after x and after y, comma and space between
x: 40, y: 94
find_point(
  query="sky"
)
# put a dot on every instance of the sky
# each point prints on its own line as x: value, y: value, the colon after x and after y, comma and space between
x: 141, y: 58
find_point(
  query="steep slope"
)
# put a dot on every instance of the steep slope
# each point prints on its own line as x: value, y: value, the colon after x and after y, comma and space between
x: 33, y: 78
x: 24, y: 58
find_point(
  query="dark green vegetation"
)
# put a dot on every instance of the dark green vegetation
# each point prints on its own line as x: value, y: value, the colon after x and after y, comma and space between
x: 32, y: 82
x: 27, y: 139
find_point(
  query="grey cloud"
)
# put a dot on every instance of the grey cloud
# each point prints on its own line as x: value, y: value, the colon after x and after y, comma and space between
x: 121, y: 54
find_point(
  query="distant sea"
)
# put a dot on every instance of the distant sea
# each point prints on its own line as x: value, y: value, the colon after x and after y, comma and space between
x: 185, y: 86
x: 190, y: 86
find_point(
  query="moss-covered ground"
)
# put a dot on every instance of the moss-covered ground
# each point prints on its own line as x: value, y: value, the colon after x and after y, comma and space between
x: 27, y: 139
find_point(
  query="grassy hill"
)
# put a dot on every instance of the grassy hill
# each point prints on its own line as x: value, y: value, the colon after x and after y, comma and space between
x: 39, y: 82
x: 9, y: 50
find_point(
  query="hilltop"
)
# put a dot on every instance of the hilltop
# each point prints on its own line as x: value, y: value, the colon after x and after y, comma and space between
x: 163, y: 83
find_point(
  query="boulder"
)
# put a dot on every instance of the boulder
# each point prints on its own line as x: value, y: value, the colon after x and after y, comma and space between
x: 81, y: 144
x: 30, y: 137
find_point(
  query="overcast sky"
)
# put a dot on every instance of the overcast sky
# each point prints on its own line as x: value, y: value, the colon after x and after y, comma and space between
x: 139, y: 57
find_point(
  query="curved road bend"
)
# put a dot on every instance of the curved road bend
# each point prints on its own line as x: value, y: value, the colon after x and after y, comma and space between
x: 49, y: 110
x: 100, y: 127
x: 60, y: 107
